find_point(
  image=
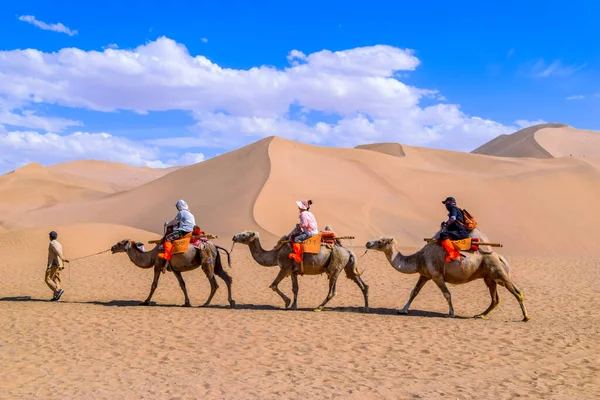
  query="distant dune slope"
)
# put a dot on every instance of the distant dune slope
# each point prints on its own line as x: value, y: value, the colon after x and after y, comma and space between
x: 367, y: 194
x: 569, y: 142
x: 78, y: 240
x: 220, y: 192
x: 393, y: 149
x: 35, y: 186
x: 519, y: 144
x: 532, y: 206
x: 117, y: 176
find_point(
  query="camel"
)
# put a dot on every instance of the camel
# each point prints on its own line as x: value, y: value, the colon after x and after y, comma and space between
x: 430, y: 264
x: 331, y: 260
x: 183, y: 262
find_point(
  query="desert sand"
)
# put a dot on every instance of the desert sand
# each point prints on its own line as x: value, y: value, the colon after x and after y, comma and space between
x: 97, y: 342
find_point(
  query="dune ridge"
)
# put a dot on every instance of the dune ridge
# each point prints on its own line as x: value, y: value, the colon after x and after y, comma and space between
x: 220, y: 191
x: 393, y: 149
x: 34, y: 186
x: 519, y: 144
x: 365, y: 194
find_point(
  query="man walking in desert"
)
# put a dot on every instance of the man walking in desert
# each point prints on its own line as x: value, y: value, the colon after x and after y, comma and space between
x: 55, y: 264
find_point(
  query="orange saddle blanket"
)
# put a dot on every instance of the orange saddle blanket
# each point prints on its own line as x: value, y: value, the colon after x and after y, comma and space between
x: 468, y: 244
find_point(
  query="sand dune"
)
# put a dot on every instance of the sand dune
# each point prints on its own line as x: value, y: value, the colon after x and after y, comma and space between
x: 117, y: 176
x: 519, y: 144
x: 35, y: 186
x: 98, y: 343
x: 545, y: 141
x: 365, y: 194
x: 393, y: 149
x: 220, y: 191
x: 569, y: 142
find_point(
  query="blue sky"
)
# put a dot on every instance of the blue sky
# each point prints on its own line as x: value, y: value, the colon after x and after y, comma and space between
x: 449, y: 75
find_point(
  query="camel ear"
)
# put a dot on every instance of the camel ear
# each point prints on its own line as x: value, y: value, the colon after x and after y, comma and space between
x: 127, y: 245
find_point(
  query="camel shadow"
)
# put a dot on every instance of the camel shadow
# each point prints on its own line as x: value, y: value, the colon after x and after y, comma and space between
x: 255, y: 307
x: 111, y: 303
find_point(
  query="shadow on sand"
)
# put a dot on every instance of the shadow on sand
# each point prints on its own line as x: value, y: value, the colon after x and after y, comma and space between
x: 259, y: 307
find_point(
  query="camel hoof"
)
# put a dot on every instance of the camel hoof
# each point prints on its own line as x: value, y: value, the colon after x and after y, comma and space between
x: 450, y: 316
x: 144, y: 303
x: 527, y: 318
x: 287, y: 303
x: 318, y: 309
x: 402, y: 312
x: 480, y: 316
x: 366, y: 310
x: 205, y: 305
x: 186, y: 305
x: 232, y: 304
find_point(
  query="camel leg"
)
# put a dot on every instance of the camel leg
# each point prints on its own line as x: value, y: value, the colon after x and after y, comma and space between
x: 442, y: 285
x: 506, y: 282
x: 332, y: 287
x: 282, y: 274
x: 493, y: 286
x: 413, y: 293
x: 157, y: 271
x: 295, y: 290
x: 228, y: 280
x: 183, y: 288
x: 364, y: 288
x: 213, y: 284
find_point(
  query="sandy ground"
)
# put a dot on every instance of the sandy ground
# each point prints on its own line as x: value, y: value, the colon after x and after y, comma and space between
x: 98, y: 343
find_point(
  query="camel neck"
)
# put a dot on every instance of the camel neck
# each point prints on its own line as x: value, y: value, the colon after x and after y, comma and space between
x: 140, y: 258
x: 401, y: 263
x: 266, y: 258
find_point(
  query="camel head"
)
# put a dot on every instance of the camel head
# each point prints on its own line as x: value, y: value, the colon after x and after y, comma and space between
x: 244, y: 237
x: 380, y: 244
x: 121, y: 247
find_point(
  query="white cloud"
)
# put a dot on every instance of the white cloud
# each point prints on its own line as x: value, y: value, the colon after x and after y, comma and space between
x: 204, y: 40
x: 47, y: 27
x: 576, y: 97
x: 18, y: 147
x: 542, y: 70
x: 523, y: 123
x: 345, y: 97
x: 28, y: 119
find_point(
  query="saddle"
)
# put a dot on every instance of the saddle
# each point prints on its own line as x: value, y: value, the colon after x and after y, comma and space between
x: 181, y: 245
x: 468, y: 244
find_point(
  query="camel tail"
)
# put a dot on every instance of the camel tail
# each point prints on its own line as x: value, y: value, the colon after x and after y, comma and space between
x: 226, y: 252
x: 505, y: 262
x: 352, y: 262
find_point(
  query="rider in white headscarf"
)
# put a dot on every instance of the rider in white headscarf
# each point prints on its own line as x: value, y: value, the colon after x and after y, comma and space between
x: 183, y: 224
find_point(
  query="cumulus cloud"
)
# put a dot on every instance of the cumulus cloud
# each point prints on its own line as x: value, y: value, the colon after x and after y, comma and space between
x: 345, y: 97
x: 523, y: 123
x: 576, y: 97
x: 19, y: 147
x: 47, y: 27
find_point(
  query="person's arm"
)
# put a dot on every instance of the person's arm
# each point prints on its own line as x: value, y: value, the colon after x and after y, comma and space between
x: 58, y: 252
x: 453, y: 216
x: 175, y: 220
x: 303, y: 221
